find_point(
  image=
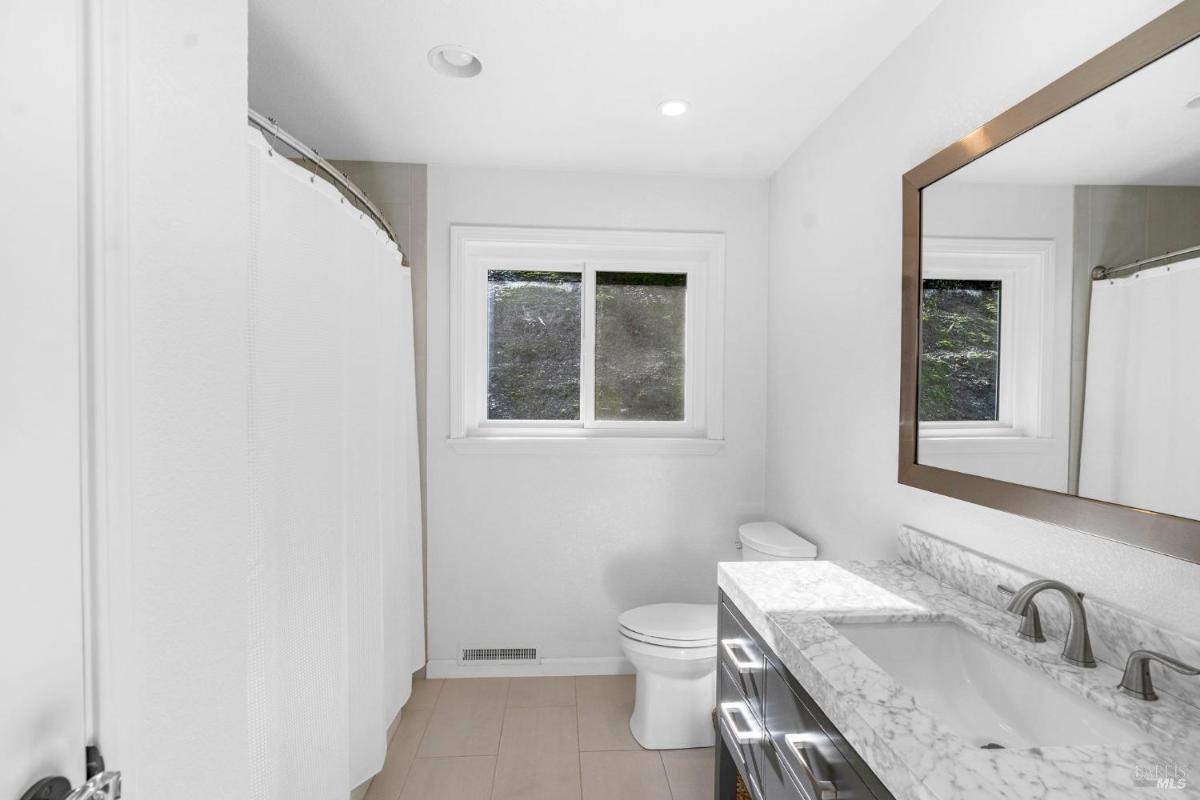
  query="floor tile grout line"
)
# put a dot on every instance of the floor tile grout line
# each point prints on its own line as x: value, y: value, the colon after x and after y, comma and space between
x: 409, y: 769
x: 437, y: 695
x: 495, y: 769
x: 500, y: 741
x: 396, y: 732
x: 444, y: 758
x: 666, y: 775
x: 578, y: 735
x: 578, y: 743
x: 425, y: 730
x: 578, y: 730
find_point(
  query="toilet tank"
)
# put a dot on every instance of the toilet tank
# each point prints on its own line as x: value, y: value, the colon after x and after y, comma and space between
x: 770, y: 541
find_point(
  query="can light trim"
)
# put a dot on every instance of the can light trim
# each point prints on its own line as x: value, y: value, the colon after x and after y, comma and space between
x: 455, y: 61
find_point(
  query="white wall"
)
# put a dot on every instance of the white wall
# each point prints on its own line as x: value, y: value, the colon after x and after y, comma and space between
x: 546, y: 550
x: 1016, y: 211
x: 835, y: 299
x: 172, y: 515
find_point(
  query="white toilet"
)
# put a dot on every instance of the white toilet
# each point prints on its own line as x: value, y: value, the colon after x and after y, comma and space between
x: 673, y: 648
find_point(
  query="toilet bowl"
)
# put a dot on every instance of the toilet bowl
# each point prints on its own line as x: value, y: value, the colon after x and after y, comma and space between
x: 673, y: 649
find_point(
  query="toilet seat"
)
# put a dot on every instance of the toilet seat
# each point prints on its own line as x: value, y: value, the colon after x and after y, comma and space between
x: 675, y: 625
x: 658, y: 641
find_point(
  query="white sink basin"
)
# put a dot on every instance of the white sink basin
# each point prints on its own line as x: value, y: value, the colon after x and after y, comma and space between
x: 983, y: 694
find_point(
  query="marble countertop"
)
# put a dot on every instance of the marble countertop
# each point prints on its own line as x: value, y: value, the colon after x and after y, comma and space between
x: 791, y: 605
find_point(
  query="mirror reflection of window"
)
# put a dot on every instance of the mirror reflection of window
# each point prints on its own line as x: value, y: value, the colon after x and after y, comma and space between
x: 960, y: 350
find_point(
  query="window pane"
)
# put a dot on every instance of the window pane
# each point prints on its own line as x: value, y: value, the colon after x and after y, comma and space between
x: 534, y: 323
x: 960, y: 350
x: 640, y: 345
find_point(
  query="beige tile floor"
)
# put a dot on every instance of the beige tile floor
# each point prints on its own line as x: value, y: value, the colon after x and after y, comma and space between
x: 531, y: 739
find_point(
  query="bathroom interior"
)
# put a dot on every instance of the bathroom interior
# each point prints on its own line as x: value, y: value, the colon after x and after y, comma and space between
x: 599, y: 400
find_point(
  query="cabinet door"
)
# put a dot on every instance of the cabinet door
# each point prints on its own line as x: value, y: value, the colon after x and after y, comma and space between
x: 805, y: 758
x: 782, y: 718
x: 774, y: 782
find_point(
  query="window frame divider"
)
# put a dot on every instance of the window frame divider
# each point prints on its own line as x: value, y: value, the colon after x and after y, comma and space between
x: 587, y: 355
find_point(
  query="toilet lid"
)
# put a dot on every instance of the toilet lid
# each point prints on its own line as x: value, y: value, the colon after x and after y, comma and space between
x: 690, y: 624
x: 773, y: 539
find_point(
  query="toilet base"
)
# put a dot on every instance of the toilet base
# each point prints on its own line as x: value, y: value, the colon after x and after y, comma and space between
x: 676, y: 691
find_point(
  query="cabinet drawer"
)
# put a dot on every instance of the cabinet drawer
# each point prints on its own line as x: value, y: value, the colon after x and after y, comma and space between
x: 739, y: 653
x: 741, y: 729
x: 804, y: 757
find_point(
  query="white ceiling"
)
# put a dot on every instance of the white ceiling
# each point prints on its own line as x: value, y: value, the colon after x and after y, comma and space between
x: 568, y: 84
x: 1137, y: 132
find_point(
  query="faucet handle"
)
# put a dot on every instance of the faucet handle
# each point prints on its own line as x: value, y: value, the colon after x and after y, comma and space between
x: 1136, y: 680
x: 1031, y: 620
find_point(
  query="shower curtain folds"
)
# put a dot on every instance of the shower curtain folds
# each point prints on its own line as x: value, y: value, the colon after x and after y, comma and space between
x: 1141, y: 430
x: 335, y: 619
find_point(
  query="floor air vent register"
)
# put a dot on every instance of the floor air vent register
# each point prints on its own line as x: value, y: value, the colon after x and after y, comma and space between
x: 506, y: 655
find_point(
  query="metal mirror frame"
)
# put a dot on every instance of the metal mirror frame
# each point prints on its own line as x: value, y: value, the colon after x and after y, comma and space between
x: 1163, y: 533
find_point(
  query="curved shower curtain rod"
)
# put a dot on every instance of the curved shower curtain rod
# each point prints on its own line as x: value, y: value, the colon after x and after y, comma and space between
x: 269, y: 126
x: 1103, y: 273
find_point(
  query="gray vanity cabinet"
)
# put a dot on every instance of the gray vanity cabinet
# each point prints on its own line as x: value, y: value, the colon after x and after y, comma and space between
x: 771, y: 731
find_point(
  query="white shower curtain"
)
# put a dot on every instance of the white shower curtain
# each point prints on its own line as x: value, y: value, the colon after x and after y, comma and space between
x: 335, y: 618
x: 1141, y: 421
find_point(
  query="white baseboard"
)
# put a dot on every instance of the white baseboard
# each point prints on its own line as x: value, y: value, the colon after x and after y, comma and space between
x: 604, y: 665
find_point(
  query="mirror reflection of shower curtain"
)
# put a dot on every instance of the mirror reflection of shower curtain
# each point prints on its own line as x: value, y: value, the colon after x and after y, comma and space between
x: 335, y: 623
x: 1141, y: 421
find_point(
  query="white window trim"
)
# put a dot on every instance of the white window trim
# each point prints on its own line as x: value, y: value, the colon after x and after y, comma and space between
x: 1025, y: 268
x: 701, y: 256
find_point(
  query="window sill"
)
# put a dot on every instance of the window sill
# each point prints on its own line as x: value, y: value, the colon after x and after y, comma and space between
x: 579, y: 445
x: 979, y: 444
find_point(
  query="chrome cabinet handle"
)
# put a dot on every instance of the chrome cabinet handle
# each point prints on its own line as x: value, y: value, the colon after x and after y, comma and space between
x: 816, y: 770
x: 751, y: 733
x: 742, y: 665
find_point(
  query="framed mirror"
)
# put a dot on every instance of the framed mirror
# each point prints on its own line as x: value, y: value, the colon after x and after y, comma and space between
x: 1051, y: 314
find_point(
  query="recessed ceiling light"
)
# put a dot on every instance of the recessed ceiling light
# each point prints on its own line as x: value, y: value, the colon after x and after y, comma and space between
x: 673, y: 108
x: 455, y: 61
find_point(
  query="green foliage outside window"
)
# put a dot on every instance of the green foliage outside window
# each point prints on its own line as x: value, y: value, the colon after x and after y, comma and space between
x: 960, y: 350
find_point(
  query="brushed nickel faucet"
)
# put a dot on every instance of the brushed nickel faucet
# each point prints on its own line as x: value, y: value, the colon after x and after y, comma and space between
x: 1031, y: 620
x: 1078, y: 647
x: 1136, y: 680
